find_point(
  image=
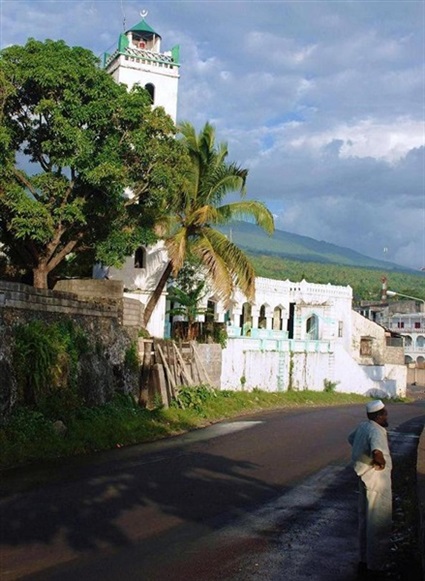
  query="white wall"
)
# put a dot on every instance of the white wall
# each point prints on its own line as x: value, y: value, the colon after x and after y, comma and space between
x: 275, y: 366
x: 131, y: 72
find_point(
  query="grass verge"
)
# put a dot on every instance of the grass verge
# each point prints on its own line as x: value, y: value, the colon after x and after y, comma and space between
x: 30, y: 436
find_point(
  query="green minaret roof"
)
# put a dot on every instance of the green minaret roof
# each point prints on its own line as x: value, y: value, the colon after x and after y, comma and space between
x: 143, y: 26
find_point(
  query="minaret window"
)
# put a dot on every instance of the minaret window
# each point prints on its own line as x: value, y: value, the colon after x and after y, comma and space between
x: 151, y: 90
x: 140, y: 258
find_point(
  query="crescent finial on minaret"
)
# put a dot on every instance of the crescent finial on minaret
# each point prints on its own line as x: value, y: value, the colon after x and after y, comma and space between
x: 143, y: 13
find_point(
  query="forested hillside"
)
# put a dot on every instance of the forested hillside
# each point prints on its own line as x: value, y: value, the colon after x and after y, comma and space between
x: 300, y: 248
x: 365, y: 282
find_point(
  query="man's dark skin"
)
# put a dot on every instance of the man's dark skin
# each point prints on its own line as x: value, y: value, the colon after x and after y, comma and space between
x: 381, y: 418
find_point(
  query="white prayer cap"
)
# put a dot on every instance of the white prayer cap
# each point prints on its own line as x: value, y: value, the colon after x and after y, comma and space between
x: 374, y: 406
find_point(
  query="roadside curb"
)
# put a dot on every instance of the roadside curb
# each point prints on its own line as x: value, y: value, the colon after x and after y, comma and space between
x: 420, y: 485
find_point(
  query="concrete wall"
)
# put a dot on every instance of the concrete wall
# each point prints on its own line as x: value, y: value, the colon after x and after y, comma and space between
x: 211, y: 356
x: 91, y: 288
x: 26, y: 298
x: 416, y: 376
x: 361, y: 328
x: 250, y: 363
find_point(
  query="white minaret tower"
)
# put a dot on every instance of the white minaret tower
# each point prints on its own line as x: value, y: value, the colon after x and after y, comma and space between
x: 138, y: 60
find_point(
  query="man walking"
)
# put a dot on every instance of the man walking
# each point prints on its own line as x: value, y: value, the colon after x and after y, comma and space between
x: 372, y: 464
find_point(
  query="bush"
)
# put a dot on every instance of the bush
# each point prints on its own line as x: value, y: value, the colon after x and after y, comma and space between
x: 45, y: 359
x: 329, y: 386
x: 194, y: 398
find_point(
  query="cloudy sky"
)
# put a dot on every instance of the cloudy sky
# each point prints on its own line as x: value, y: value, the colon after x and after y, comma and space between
x: 323, y: 101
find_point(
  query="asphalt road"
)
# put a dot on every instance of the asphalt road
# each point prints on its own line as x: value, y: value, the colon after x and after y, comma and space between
x: 266, y: 497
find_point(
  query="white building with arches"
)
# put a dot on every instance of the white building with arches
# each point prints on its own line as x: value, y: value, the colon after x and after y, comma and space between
x: 301, y: 335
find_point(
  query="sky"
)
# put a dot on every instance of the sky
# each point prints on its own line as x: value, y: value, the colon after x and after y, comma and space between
x: 322, y: 101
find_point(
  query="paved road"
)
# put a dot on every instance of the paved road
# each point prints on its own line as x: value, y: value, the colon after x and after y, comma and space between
x: 267, y: 497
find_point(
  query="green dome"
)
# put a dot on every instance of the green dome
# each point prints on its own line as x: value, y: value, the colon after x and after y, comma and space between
x: 143, y: 27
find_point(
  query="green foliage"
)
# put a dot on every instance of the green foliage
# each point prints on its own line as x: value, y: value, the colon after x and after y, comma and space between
x: 198, y: 211
x: 131, y: 358
x: 194, y: 398
x: 220, y: 335
x: 329, y: 386
x: 88, y: 139
x: 45, y: 359
x: 35, y: 360
x: 143, y: 333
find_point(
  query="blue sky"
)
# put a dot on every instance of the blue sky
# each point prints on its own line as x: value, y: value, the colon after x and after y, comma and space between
x: 323, y: 101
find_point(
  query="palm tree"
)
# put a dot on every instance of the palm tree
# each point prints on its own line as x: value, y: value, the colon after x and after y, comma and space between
x: 190, y: 231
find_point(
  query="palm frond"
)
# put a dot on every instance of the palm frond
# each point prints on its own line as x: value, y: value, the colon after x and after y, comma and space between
x: 235, y: 261
x: 177, y: 250
x: 247, y: 210
x: 216, y: 267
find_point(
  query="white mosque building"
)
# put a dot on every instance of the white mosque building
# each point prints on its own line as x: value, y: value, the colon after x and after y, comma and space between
x: 293, y: 335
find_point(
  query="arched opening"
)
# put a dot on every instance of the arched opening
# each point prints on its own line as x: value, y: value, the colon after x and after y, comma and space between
x: 312, y: 328
x: 407, y: 359
x: 246, y: 319
x: 407, y: 341
x: 277, y: 319
x: 140, y: 258
x: 150, y: 88
x: 420, y: 341
x: 420, y: 359
x: 262, y: 319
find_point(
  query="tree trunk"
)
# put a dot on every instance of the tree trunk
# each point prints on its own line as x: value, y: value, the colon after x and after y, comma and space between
x: 155, y: 296
x: 40, y: 276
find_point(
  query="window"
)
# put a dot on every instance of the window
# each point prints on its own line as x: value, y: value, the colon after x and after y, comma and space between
x: 417, y: 325
x: 277, y: 319
x: 340, y: 328
x: 140, y: 258
x: 366, y: 346
x: 246, y: 319
x: 312, y: 327
x: 151, y: 90
x: 400, y: 325
x: 262, y: 320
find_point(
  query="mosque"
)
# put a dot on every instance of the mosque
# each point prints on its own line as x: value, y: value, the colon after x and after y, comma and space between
x: 294, y: 334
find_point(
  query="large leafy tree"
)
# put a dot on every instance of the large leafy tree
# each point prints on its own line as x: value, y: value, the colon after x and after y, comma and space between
x: 198, y: 207
x: 72, y: 142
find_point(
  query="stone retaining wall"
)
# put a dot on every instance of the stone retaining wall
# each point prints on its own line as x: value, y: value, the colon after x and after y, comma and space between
x: 104, y: 370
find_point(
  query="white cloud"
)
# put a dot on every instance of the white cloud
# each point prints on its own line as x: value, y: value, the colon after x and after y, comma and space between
x: 369, y: 138
x: 322, y: 101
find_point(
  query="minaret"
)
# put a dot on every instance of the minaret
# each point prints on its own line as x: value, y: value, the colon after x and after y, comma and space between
x: 138, y: 60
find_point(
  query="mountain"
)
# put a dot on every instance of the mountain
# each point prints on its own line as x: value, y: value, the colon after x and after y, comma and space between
x: 281, y: 244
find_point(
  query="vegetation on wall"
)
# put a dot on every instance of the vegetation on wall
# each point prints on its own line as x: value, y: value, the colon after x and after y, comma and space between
x: 45, y: 359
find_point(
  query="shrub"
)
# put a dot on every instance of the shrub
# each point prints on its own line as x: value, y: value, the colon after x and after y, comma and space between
x: 194, y: 398
x: 329, y: 386
x: 45, y: 359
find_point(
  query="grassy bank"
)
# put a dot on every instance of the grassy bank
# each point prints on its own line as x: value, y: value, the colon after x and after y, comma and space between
x: 31, y: 435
